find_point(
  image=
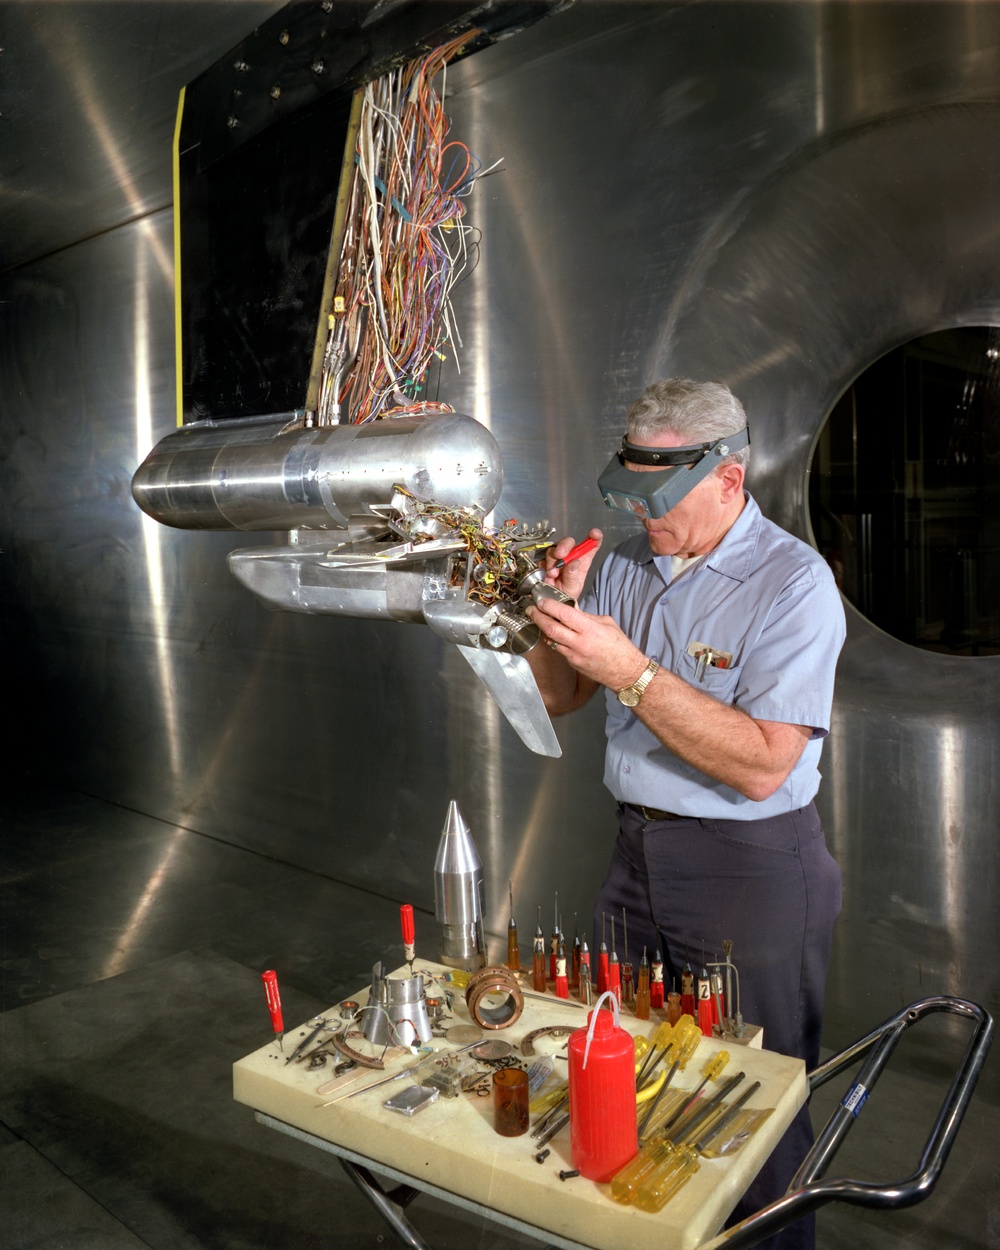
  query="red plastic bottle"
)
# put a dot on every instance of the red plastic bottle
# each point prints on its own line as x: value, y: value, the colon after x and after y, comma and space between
x: 602, y: 1117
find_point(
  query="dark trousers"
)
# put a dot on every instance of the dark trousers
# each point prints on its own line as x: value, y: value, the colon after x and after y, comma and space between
x: 772, y: 888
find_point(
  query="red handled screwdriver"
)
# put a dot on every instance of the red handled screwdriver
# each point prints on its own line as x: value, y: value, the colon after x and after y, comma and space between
x: 687, y: 991
x: 270, y: 979
x: 614, y: 968
x: 538, y: 958
x: 562, y: 977
x: 656, y: 982
x: 705, y: 1003
x: 602, y: 961
x: 581, y: 549
x: 409, y: 934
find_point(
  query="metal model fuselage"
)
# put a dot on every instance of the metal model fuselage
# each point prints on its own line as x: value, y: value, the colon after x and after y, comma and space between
x: 385, y: 521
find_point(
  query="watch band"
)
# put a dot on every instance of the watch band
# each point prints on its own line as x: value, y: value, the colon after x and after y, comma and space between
x: 629, y: 696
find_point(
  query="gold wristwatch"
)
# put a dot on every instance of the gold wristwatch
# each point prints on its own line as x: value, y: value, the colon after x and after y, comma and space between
x: 631, y: 695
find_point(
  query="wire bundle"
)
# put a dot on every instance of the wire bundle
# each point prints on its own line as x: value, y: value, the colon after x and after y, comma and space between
x: 405, y: 246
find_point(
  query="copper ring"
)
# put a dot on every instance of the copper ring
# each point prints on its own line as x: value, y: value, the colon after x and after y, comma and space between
x: 494, y: 980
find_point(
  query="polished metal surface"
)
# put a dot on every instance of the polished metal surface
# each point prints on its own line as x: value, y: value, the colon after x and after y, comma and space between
x: 89, y: 96
x: 767, y: 194
x: 259, y: 474
x: 458, y: 890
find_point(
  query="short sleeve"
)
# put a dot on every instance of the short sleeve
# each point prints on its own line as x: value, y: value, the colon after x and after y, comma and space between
x: 788, y: 673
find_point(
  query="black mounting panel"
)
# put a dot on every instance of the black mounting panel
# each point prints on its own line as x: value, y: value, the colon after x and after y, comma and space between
x: 260, y: 155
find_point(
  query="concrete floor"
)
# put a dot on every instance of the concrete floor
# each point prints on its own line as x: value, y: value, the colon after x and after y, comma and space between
x: 131, y: 966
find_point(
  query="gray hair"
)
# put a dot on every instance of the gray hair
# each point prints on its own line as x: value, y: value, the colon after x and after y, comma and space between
x: 697, y: 412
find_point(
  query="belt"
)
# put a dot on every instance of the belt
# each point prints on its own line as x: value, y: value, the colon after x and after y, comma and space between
x: 653, y: 813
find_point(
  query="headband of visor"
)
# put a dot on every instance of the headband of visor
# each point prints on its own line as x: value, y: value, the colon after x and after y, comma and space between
x: 650, y: 494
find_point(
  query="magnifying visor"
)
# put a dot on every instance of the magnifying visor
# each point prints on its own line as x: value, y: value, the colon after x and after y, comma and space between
x: 652, y: 494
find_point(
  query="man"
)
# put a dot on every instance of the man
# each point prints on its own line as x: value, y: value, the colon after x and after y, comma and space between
x: 715, y: 636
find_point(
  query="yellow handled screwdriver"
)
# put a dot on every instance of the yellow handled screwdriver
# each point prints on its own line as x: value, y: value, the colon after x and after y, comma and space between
x: 675, y: 1169
x: 710, y: 1072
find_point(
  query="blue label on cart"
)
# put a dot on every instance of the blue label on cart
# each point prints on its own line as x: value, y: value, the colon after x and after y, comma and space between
x: 855, y: 1099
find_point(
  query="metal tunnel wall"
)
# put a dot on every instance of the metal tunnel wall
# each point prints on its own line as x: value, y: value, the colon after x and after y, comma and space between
x: 771, y: 195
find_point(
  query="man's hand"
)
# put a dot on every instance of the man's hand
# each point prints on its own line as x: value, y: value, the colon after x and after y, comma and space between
x: 593, y: 645
x: 753, y: 757
x: 562, y: 687
x: 572, y: 577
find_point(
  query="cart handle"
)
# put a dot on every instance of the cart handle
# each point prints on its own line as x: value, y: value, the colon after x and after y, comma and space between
x: 809, y: 1190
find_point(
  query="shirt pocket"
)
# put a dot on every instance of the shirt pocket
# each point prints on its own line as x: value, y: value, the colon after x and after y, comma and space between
x: 719, y: 683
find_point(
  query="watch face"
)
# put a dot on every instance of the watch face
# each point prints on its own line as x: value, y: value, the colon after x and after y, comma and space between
x: 629, y: 696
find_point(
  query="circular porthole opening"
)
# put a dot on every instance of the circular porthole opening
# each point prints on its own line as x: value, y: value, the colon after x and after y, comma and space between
x: 904, y: 492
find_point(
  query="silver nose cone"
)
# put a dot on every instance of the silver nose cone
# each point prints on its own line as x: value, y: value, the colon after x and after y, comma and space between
x: 458, y: 882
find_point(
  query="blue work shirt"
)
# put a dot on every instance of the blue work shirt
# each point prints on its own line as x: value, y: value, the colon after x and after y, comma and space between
x: 767, y: 599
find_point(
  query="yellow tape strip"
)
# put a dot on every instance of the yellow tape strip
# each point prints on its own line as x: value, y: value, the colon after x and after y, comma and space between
x: 178, y: 341
x: 333, y: 256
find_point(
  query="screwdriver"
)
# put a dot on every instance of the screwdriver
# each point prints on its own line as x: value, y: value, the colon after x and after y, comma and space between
x: 718, y: 1014
x: 538, y: 957
x: 672, y: 1172
x: 562, y: 978
x: 651, y: 1156
x: 602, y: 960
x: 684, y: 1129
x: 554, y: 941
x: 586, y: 985
x: 673, y: 1004
x: 270, y: 979
x: 642, y: 990
x: 581, y: 549
x: 687, y: 990
x: 656, y: 982
x: 574, y: 974
x: 614, y: 968
x: 628, y: 987
x: 683, y: 1040
x: 710, y: 1072
x: 683, y: 1048
x: 513, y: 953
x: 409, y: 933
x: 655, y: 1155
x: 705, y: 1003
x: 660, y: 1041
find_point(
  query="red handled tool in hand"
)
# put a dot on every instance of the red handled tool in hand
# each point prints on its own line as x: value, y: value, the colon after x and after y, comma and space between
x: 409, y: 933
x: 270, y: 979
x: 581, y: 549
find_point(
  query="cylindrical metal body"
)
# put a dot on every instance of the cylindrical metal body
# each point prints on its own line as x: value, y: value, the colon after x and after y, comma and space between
x: 249, y: 475
x: 396, y: 1013
x: 458, y: 881
x: 407, y: 1005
